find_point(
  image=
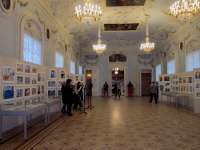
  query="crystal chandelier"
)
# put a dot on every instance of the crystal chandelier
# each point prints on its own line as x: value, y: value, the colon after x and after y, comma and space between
x: 185, y: 9
x: 99, y: 48
x: 88, y: 10
x: 147, y: 46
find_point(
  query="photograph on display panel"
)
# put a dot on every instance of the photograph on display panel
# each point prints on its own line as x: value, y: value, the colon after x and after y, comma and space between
x: 8, y: 74
x: 19, y: 92
x: 52, y: 74
x: 8, y: 92
x: 20, y: 79
x: 27, y: 68
x: 20, y: 68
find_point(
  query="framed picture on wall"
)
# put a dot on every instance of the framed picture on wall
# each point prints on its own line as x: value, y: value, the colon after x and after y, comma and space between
x: 8, y: 74
x: 8, y: 92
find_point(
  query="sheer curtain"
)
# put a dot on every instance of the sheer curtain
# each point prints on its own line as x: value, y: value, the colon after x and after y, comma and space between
x: 80, y: 70
x: 59, y: 60
x: 158, y: 71
x: 72, y: 67
x: 171, y: 67
x: 32, y: 51
x: 192, y: 61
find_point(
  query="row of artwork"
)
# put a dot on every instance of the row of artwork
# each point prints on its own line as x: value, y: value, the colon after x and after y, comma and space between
x: 10, y: 92
x: 185, y: 83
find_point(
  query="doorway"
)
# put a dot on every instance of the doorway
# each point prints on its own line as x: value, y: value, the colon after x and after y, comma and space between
x: 145, y: 83
x: 118, y: 79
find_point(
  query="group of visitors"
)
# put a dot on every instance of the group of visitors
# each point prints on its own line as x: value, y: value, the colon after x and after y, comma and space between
x: 116, y: 91
x: 73, y: 95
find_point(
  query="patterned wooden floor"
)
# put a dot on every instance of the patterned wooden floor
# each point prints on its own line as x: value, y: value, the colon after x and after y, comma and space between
x: 126, y: 124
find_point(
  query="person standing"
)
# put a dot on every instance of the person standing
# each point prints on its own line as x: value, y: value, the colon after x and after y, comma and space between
x: 153, y: 93
x: 105, y: 88
x: 115, y: 90
x: 89, y: 87
x: 63, y: 87
x: 69, y: 96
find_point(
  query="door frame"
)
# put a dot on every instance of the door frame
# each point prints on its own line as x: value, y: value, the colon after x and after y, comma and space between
x: 145, y: 71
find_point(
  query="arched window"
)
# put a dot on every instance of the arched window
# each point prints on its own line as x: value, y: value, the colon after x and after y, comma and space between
x: 192, y: 60
x: 32, y: 43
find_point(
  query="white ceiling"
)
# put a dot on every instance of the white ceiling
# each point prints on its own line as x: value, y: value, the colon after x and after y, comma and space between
x: 85, y: 33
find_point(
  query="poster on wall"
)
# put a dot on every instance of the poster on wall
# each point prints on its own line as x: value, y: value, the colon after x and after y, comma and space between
x: 8, y: 74
x: 8, y: 92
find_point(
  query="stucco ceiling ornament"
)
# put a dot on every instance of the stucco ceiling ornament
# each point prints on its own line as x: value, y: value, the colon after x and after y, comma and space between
x: 23, y: 3
x: 145, y: 59
x: 91, y: 59
x: 7, y: 6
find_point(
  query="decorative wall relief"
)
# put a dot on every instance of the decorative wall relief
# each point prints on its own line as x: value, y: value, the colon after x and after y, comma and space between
x: 7, y: 6
x: 91, y: 59
x: 145, y: 59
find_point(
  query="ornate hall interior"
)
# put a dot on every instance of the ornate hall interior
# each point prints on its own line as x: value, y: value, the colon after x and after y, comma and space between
x: 99, y: 74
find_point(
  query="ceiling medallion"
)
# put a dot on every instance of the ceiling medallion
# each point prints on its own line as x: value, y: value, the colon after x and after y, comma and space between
x: 185, y: 9
x: 88, y: 10
x: 99, y: 48
x: 147, y: 46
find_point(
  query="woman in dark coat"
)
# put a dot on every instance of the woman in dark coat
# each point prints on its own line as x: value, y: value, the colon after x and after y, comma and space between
x: 67, y: 92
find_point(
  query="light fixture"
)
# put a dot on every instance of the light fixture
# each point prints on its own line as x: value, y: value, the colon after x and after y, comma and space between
x: 185, y: 9
x: 116, y: 71
x: 99, y: 48
x: 88, y: 10
x: 147, y: 46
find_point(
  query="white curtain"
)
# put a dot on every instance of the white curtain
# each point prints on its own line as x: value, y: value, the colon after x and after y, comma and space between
x: 80, y: 70
x: 158, y: 71
x: 59, y: 60
x: 72, y: 67
x: 171, y: 67
x: 32, y: 51
x: 192, y: 61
